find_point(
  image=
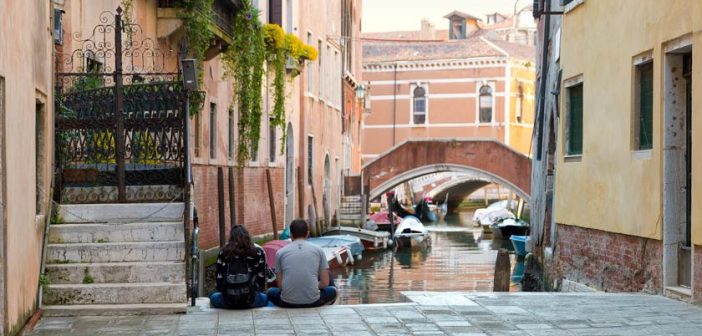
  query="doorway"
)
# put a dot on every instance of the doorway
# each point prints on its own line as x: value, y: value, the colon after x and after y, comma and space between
x: 677, y: 164
x: 289, y: 176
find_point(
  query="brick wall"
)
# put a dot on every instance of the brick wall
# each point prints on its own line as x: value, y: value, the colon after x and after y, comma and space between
x: 697, y: 276
x: 252, y: 202
x: 608, y: 261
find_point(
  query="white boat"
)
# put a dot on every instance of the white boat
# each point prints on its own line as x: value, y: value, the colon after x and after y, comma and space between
x: 372, y: 240
x: 412, y: 234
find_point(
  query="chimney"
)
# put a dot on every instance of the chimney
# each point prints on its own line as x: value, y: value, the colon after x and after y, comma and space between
x: 471, y: 26
x: 428, y: 32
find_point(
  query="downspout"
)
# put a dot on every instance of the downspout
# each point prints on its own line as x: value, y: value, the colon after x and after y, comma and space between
x: 508, y: 100
x: 394, y: 102
x: 542, y: 102
x: 542, y: 83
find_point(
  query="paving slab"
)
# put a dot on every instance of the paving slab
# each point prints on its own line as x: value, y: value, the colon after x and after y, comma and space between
x: 475, y: 314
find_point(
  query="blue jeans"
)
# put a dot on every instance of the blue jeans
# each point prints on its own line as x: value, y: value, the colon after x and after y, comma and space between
x: 217, y: 301
x: 327, y: 296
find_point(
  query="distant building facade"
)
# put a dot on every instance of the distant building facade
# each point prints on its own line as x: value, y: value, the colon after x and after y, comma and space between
x: 465, y: 82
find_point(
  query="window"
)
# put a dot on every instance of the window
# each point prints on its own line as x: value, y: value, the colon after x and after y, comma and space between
x: 275, y: 12
x: 197, y: 142
x: 520, y: 103
x: 347, y: 33
x: 310, y: 158
x: 337, y: 80
x: 58, y: 26
x: 39, y: 154
x: 643, y: 105
x: 230, y: 134
x: 574, y: 120
x: 213, y: 130
x: 327, y: 75
x: 485, y: 101
x: 272, y: 140
x: 320, y: 69
x: 419, y: 105
x: 310, y: 69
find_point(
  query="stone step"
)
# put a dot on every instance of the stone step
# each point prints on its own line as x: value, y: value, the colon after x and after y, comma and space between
x: 111, y: 213
x: 132, y: 272
x: 104, y: 233
x: 120, y: 293
x: 351, y: 198
x: 115, y: 309
x: 349, y: 211
x: 115, y: 252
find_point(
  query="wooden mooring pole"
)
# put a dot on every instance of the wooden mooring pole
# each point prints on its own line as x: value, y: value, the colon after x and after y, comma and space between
x: 220, y: 205
x: 271, y: 201
x: 502, y: 272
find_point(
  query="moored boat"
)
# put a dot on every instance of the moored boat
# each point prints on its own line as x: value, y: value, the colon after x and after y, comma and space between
x: 352, y: 244
x: 382, y: 220
x: 519, y: 243
x: 509, y: 226
x: 371, y: 240
x: 412, y: 234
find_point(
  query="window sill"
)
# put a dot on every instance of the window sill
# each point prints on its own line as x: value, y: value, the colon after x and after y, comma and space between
x: 573, y: 158
x: 572, y: 5
x: 642, y: 154
x: 419, y: 125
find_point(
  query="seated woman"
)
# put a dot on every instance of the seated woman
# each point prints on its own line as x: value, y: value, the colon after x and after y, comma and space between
x: 241, y: 273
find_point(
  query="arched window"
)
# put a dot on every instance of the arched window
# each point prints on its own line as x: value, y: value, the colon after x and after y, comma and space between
x: 419, y: 111
x: 485, y: 104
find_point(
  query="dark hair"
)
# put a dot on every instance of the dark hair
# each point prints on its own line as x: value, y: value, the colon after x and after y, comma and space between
x: 240, y: 244
x: 298, y: 228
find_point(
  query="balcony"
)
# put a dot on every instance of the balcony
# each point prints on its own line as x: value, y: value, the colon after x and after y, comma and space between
x: 170, y: 26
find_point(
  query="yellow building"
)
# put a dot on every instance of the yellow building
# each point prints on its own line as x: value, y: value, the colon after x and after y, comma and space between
x: 627, y: 180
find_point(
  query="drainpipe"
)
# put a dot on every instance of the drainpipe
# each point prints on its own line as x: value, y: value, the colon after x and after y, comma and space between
x: 542, y: 101
x: 394, y: 103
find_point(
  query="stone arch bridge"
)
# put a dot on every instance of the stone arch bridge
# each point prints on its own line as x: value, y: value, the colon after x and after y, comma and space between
x: 482, y: 160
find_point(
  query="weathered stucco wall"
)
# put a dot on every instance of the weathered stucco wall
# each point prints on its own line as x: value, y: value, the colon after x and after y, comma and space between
x: 623, y: 189
x: 25, y: 66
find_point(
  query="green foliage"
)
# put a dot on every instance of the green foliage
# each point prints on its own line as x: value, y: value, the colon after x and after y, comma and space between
x: 197, y: 17
x: 56, y: 217
x: 87, y: 279
x: 44, y: 280
x: 103, y: 240
x: 244, y: 62
x: 127, y: 6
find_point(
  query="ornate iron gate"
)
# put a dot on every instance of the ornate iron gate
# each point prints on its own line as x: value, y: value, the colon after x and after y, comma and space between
x: 119, y: 118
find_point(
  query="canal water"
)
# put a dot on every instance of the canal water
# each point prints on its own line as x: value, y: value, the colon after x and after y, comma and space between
x: 459, y: 259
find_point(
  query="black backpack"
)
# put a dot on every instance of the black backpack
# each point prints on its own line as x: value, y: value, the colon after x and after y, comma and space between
x: 239, y: 286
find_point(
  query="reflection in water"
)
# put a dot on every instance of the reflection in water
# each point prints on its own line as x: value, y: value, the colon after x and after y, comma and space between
x: 458, y: 260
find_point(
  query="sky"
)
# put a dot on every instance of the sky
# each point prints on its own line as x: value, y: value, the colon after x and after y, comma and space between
x: 390, y: 15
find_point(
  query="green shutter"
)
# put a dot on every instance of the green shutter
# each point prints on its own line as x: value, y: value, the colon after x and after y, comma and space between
x: 575, y: 120
x: 645, y: 106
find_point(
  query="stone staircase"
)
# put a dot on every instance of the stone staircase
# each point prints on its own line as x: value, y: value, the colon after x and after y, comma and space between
x: 351, y: 211
x: 108, y: 259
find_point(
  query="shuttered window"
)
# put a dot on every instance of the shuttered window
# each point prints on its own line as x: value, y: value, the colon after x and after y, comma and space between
x: 645, y: 105
x: 574, y: 144
x: 275, y: 12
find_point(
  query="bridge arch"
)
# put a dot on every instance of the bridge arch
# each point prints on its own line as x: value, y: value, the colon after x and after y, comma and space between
x: 484, y: 159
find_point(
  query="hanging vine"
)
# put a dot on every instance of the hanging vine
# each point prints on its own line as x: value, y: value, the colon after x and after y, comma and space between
x: 255, y: 46
x: 244, y: 62
x: 197, y: 16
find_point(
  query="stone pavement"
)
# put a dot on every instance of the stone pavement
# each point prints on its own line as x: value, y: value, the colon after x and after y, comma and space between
x: 429, y: 313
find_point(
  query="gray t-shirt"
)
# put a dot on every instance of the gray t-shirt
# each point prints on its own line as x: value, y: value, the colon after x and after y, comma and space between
x: 301, y: 263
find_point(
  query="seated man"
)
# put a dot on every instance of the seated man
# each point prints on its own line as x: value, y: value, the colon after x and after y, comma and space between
x: 301, y: 271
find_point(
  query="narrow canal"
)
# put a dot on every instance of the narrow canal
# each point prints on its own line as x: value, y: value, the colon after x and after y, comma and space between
x: 458, y: 260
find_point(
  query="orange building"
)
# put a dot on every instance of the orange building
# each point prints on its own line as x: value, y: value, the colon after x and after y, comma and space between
x: 471, y: 81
